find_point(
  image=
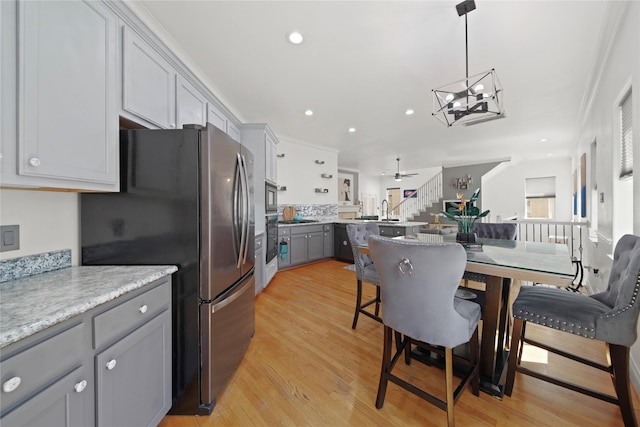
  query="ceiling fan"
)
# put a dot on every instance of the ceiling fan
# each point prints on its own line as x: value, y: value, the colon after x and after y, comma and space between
x: 399, y: 175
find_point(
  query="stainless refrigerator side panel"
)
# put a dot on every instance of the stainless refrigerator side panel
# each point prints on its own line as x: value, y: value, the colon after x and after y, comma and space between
x: 227, y: 326
x: 222, y: 237
x: 249, y: 260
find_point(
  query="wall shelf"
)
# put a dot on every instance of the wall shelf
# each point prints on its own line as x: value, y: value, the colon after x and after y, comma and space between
x: 282, y: 188
x: 280, y: 155
x: 320, y: 162
x: 326, y: 175
x: 322, y: 190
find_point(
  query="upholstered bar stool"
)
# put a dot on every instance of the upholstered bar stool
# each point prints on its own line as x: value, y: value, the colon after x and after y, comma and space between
x: 609, y: 316
x: 418, y: 282
x: 365, y: 270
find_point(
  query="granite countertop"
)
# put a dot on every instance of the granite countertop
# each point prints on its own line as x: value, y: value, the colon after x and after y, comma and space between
x: 34, y: 303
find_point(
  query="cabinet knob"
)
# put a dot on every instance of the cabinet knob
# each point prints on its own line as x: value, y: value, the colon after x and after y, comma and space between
x: 143, y: 309
x: 111, y: 364
x: 34, y: 161
x: 344, y: 243
x: 79, y: 387
x: 11, y: 384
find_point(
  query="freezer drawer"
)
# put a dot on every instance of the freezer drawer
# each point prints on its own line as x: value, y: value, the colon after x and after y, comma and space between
x: 227, y: 326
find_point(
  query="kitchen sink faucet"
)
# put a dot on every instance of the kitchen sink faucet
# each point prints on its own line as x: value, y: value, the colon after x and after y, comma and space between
x: 386, y: 213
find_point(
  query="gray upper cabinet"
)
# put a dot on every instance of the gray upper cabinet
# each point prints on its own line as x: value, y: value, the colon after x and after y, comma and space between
x: 148, y: 82
x: 270, y: 158
x: 67, y: 121
x: 191, y: 105
x: 216, y: 117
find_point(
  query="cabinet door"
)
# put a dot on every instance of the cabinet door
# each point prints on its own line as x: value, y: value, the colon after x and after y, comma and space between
x: 233, y: 131
x: 133, y: 376
x: 328, y: 241
x: 315, y: 246
x: 191, y: 105
x: 270, y: 159
x: 216, y: 118
x: 148, y: 82
x: 298, y: 248
x: 286, y: 261
x: 67, y: 92
x: 66, y: 403
x: 386, y: 231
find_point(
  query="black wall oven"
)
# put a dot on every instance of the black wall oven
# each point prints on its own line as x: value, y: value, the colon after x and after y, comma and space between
x: 271, y: 198
x: 272, y: 238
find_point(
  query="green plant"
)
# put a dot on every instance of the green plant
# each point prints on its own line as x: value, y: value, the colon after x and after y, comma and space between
x: 466, y: 214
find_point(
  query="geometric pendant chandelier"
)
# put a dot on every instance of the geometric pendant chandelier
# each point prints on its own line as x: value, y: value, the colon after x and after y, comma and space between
x: 474, y: 99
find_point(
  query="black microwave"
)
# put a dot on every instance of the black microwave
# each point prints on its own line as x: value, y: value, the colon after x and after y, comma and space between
x: 271, y: 198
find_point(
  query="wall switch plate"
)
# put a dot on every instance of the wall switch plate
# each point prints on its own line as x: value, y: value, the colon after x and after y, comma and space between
x: 9, y: 238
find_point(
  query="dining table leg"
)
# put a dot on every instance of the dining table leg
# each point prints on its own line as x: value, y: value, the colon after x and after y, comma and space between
x: 490, y: 321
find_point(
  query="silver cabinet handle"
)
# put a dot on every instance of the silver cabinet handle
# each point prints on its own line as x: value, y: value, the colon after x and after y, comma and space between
x: 11, y: 384
x: 111, y: 364
x: 79, y: 387
x: 34, y: 161
x: 143, y: 309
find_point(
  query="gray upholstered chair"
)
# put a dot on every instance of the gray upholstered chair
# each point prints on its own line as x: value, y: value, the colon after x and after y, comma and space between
x: 489, y: 230
x: 609, y: 316
x: 365, y: 270
x: 417, y: 282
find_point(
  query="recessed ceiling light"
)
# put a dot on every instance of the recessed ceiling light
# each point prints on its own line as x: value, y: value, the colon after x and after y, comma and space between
x: 549, y: 154
x: 295, y: 37
x: 308, y: 113
x: 543, y: 140
x: 409, y: 112
x: 352, y: 130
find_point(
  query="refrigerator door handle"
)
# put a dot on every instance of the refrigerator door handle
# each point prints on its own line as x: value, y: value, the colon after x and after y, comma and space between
x: 245, y: 215
x: 243, y: 235
x: 234, y: 296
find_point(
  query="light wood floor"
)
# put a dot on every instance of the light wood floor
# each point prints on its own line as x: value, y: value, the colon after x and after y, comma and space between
x: 307, y: 367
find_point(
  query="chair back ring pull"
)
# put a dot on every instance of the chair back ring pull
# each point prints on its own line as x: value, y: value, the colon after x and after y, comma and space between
x: 405, y: 267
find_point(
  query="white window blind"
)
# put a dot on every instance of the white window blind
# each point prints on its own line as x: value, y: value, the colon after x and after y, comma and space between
x: 626, y: 137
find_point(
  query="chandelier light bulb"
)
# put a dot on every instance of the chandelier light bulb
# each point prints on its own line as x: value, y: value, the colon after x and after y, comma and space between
x: 456, y: 104
x: 449, y: 97
x: 479, y: 87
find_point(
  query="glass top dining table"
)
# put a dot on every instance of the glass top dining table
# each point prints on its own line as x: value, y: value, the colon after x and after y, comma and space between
x: 495, y: 260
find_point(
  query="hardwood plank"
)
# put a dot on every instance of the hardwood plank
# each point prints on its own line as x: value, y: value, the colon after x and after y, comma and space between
x: 306, y: 367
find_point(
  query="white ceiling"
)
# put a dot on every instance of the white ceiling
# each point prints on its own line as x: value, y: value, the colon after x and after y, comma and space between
x: 363, y: 63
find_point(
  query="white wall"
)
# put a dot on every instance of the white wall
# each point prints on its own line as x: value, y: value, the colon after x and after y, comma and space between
x: 503, y: 188
x: 413, y: 183
x: 49, y: 221
x: 298, y: 171
x: 617, y: 67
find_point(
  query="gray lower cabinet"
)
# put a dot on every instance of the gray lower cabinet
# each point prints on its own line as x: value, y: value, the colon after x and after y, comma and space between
x: 133, y: 376
x: 398, y: 230
x: 110, y: 366
x: 284, y: 247
x: 328, y: 240
x: 64, y: 403
x: 305, y: 243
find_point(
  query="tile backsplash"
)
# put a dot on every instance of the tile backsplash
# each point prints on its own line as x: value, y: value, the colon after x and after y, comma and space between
x: 319, y: 212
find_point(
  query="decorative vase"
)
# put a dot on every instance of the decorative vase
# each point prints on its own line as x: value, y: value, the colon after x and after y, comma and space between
x: 466, y: 237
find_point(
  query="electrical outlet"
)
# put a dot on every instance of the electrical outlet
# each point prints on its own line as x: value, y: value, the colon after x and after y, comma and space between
x: 9, y: 238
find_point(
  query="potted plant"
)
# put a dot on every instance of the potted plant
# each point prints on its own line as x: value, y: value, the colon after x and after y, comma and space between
x: 465, y: 214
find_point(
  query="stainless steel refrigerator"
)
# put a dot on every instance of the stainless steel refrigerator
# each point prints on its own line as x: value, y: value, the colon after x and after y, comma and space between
x: 186, y: 199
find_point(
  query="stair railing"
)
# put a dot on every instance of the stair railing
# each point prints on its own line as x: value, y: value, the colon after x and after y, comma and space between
x: 429, y: 193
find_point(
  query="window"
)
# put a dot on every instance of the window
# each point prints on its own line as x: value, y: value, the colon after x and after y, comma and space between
x: 540, y: 194
x: 626, y: 138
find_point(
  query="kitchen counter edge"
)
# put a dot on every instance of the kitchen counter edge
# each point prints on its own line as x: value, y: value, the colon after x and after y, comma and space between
x: 359, y: 221
x: 32, y: 304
